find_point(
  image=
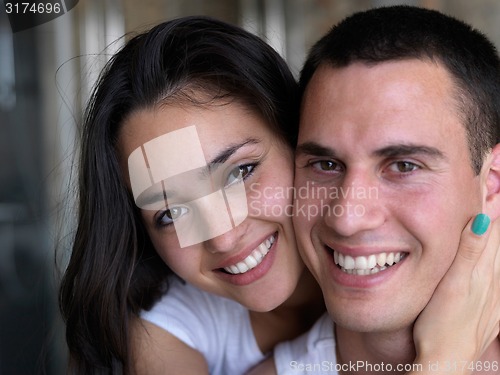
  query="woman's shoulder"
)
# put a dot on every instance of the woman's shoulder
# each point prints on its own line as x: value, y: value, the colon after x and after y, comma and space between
x: 181, y: 295
x: 188, y: 311
x: 156, y: 351
x: 206, y: 323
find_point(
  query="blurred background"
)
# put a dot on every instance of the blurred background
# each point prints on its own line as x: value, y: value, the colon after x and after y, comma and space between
x: 46, y: 74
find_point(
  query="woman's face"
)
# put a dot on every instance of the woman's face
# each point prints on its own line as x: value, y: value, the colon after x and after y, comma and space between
x: 221, y: 215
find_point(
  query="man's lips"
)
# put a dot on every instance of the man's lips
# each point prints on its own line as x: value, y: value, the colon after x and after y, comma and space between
x: 364, y: 265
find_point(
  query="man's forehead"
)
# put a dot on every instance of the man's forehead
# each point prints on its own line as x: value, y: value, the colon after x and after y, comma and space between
x: 405, y: 99
x: 412, y: 74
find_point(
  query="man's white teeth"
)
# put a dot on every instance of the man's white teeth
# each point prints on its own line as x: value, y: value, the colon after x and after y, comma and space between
x: 253, y: 260
x: 366, y: 265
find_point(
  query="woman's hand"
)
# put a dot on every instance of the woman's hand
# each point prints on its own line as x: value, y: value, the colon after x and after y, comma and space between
x: 462, y: 318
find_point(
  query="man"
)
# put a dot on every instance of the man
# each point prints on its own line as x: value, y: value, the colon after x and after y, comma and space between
x: 401, y: 118
x: 397, y: 149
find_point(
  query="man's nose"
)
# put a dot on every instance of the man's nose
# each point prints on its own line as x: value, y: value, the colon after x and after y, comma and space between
x: 357, y: 207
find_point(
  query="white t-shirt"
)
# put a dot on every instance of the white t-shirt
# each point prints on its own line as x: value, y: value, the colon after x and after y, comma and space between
x: 311, y: 353
x: 217, y: 327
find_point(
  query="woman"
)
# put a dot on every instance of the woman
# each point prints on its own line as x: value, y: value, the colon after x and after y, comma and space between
x: 193, y: 111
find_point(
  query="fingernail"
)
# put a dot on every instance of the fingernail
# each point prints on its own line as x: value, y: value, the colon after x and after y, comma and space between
x: 480, y: 224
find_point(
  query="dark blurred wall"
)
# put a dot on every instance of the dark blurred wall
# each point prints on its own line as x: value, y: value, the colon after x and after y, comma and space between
x: 27, y: 304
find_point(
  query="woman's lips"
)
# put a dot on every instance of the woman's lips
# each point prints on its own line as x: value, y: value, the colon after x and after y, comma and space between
x: 254, y: 259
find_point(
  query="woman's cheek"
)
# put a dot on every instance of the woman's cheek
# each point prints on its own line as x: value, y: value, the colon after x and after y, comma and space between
x: 270, y: 201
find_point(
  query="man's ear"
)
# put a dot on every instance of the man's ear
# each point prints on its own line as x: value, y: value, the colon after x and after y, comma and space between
x: 491, y: 171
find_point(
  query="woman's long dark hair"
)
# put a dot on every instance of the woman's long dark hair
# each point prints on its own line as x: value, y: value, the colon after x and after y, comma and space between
x: 114, y: 271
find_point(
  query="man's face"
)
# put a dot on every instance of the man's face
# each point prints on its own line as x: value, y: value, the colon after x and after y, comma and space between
x: 383, y: 157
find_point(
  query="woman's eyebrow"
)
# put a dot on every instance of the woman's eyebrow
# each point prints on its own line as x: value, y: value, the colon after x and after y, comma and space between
x: 225, y: 154
x: 219, y: 159
x: 152, y: 198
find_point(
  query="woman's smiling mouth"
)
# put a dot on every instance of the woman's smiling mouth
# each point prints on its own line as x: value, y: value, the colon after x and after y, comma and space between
x: 254, y: 259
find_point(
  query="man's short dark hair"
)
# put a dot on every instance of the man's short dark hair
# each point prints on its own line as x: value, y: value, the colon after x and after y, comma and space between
x: 404, y: 32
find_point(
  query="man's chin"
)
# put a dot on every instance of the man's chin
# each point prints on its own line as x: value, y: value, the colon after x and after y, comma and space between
x: 369, y: 321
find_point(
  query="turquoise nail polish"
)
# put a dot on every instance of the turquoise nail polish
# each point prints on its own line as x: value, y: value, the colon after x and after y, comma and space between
x: 480, y: 224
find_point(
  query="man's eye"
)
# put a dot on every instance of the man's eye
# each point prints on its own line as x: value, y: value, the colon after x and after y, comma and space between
x: 327, y: 166
x: 404, y: 167
x: 168, y: 216
x: 239, y: 173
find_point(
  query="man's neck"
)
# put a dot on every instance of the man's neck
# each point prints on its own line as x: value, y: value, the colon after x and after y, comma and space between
x: 376, y: 353
x: 373, y: 353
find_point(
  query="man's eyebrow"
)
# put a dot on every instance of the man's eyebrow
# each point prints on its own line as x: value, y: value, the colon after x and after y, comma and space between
x: 313, y: 148
x: 401, y: 150
x: 398, y: 150
x: 225, y: 154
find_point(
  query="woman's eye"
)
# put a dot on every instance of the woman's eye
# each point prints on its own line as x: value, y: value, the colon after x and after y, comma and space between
x: 404, y: 167
x: 239, y: 173
x: 168, y: 216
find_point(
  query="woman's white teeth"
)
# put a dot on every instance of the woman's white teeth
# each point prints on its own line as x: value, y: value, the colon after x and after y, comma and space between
x: 253, y: 260
x: 366, y: 265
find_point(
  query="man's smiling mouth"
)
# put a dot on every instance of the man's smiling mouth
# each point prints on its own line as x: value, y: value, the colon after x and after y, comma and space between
x: 367, y: 265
